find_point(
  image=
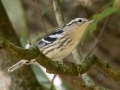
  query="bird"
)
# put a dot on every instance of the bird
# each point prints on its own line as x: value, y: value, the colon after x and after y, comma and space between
x: 59, y: 43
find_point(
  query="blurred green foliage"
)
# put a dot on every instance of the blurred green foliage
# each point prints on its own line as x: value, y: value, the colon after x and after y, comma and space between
x: 23, y: 35
x: 98, y: 17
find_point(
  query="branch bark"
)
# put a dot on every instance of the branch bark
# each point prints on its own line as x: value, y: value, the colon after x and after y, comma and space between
x: 52, y: 66
x: 88, y: 59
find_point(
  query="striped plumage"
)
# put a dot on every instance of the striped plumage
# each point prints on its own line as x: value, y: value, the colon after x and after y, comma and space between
x: 60, y: 43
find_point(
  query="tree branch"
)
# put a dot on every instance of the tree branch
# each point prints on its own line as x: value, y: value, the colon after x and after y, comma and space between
x: 53, y: 67
x: 30, y: 53
x: 88, y: 59
x: 108, y: 70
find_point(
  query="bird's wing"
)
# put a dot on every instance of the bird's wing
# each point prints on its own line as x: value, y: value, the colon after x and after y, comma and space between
x: 50, y: 38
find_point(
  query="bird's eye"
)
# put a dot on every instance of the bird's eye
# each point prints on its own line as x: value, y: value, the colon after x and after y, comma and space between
x: 79, y: 20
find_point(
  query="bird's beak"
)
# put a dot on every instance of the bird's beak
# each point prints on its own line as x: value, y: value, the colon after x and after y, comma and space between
x: 91, y: 21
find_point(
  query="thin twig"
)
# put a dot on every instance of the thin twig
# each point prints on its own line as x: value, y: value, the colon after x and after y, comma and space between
x: 88, y: 60
x: 110, y: 36
x: 52, y: 82
x: 41, y: 17
x: 102, y: 30
x: 58, y: 12
x: 77, y: 56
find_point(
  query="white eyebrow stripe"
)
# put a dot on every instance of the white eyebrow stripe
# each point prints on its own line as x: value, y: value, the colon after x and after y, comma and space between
x: 75, y: 20
x: 70, y: 22
x: 45, y: 41
x: 55, y: 36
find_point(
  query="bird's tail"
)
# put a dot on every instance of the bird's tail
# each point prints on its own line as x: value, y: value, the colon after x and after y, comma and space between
x: 18, y: 65
x: 21, y: 63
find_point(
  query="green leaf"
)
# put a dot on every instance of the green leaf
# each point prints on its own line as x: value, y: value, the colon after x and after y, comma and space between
x: 97, y: 17
x: 41, y: 77
x: 23, y: 35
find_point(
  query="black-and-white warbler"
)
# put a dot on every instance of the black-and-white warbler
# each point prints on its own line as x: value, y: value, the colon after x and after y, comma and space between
x: 60, y: 43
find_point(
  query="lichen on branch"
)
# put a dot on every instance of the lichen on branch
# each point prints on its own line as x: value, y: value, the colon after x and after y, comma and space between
x: 88, y: 60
